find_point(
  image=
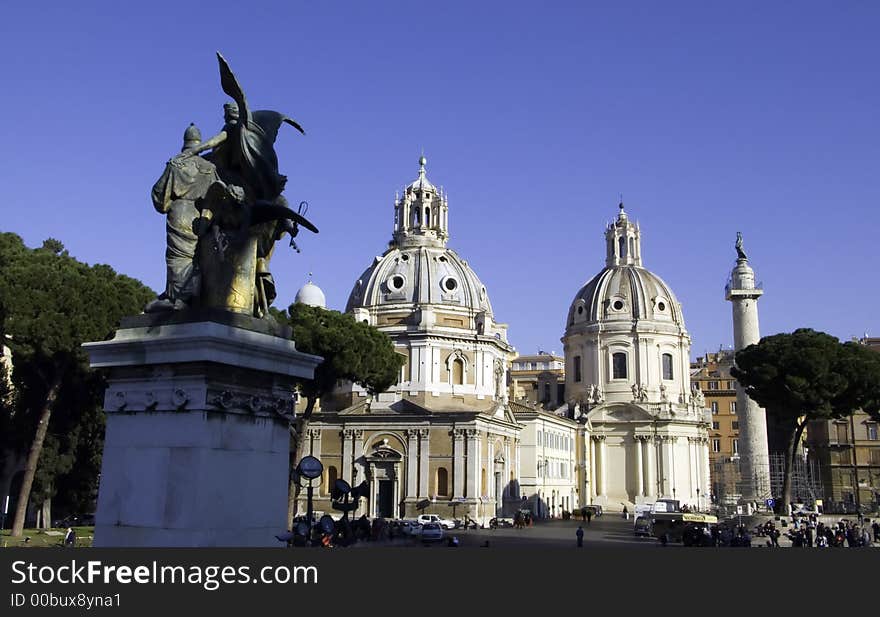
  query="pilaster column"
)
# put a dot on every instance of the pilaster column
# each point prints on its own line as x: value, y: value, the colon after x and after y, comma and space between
x: 424, y: 447
x: 640, y: 475
x: 490, y: 469
x: 314, y: 437
x: 457, y: 462
x: 599, y: 466
x: 650, y: 457
x: 704, y: 450
x: 593, y: 463
x: 695, y: 464
x: 473, y: 464
x: 517, y: 466
x: 412, y: 467
x: 358, y: 456
x: 347, y: 436
x: 505, y: 480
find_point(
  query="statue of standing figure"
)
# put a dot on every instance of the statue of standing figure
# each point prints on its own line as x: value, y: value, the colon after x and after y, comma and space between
x: 740, y: 253
x: 184, y: 182
x: 242, y: 212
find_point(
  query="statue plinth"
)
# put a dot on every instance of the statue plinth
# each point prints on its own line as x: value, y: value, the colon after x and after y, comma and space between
x: 197, y: 443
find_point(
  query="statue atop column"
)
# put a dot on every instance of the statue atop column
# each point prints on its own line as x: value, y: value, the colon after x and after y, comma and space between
x: 226, y: 211
x: 740, y: 253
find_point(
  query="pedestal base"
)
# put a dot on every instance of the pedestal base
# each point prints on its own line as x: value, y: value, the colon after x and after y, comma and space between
x: 197, y: 444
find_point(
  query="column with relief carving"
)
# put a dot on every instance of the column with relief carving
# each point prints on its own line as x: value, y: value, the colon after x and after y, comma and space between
x: 412, y: 466
x: 457, y: 462
x: 424, y: 448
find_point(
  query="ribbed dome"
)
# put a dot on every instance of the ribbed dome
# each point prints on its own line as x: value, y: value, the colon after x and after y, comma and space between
x: 625, y: 293
x: 311, y: 295
x: 419, y: 275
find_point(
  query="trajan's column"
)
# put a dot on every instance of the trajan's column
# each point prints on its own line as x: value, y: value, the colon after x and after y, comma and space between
x: 753, y: 449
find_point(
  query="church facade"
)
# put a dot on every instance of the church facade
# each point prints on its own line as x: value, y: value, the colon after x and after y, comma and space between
x: 644, y: 429
x: 444, y: 439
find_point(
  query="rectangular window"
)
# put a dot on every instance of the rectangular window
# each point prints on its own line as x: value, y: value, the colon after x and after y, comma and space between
x: 874, y: 456
x: 713, y: 385
x: 618, y: 364
x: 872, y: 430
x: 577, y: 369
x: 667, y: 366
x: 716, y: 445
x: 736, y: 446
x: 734, y: 425
x: 714, y: 406
x: 732, y: 406
x: 716, y: 426
x: 842, y: 433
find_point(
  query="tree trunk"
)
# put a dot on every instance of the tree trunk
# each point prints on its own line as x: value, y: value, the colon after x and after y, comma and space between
x: 790, y: 455
x: 299, y: 429
x: 46, y: 509
x: 30, y: 467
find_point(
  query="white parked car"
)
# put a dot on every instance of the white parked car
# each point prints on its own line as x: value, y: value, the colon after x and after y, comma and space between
x: 445, y: 523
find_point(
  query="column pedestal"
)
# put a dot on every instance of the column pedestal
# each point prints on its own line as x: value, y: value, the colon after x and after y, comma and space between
x: 197, y: 442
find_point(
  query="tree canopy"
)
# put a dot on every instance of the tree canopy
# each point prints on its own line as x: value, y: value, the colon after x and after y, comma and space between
x: 54, y: 303
x: 352, y: 351
x: 807, y: 375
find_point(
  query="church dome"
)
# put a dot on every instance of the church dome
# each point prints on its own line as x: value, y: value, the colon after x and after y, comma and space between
x: 311, y: 295
x: 624, y: 290
x: 418, y: 268
x: 420, y: 275
x: 625, y: 293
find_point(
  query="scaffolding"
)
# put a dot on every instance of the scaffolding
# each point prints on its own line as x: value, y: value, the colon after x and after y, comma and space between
x: 730, y: 489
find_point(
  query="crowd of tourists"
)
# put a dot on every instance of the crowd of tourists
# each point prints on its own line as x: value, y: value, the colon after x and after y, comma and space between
x: 809, y: 531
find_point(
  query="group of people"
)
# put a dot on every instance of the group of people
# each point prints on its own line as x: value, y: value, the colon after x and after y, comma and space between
x: 810, y: 532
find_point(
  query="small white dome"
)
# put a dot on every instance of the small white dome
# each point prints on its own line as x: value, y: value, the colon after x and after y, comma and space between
x: 311, y: 295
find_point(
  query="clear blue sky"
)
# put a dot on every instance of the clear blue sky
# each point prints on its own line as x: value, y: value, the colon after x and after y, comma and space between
x: 742, y: 116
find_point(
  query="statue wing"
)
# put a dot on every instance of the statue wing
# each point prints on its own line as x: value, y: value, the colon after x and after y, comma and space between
x: 270, y: 121
x: 230, y: 86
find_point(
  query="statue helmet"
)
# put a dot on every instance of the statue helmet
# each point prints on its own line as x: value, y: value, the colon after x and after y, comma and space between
x: 192, y: 137
x: 230, y: 109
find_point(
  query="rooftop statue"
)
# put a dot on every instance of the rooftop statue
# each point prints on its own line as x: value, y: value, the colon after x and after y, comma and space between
x: 740, y: 254
x: 228, y: 211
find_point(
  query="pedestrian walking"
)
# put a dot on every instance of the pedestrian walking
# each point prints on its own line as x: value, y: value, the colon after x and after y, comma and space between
x: 580, y: 536
x: 589, y: 516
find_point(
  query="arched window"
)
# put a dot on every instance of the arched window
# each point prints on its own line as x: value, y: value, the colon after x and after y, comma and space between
x: 622, y: 242
x: 458, y: 372
x: 577, y: 369
x: 427, y: 217
x: 667, y: 366
x: 618, y: 365
x: 332, y: 476
x: 442, y: 481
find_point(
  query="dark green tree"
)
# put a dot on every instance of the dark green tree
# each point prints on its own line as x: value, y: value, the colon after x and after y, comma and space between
x: 805, y: 376
x: 55, y: 303
x: 352, y: 351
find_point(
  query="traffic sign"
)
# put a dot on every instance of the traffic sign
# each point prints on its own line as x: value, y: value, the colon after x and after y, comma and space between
x: 770, y: 503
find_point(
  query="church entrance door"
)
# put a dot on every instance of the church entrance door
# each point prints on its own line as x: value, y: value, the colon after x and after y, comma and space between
x: 386, y: 499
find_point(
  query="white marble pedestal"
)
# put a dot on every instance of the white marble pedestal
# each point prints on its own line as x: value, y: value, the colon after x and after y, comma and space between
x: 197, y: 445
